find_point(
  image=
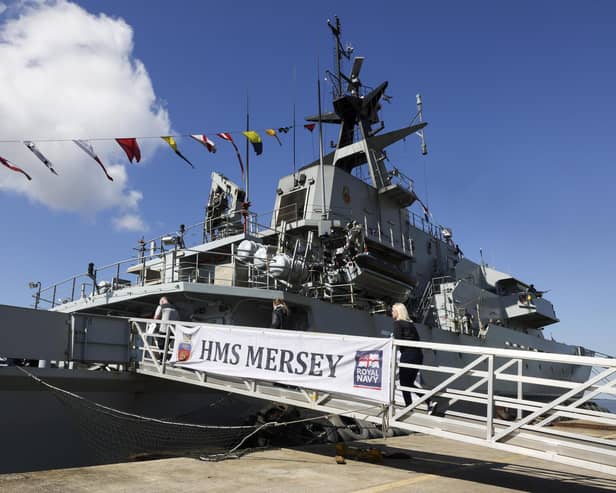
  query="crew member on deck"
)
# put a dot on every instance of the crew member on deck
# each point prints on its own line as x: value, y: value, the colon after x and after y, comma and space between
x: 532, y: 290
x: 164, y: 311
x: 280, y: 314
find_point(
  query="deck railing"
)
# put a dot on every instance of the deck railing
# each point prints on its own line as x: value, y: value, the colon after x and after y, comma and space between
x: 170, y: 247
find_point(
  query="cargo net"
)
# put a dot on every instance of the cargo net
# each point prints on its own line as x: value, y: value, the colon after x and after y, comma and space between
x: 114, y: 435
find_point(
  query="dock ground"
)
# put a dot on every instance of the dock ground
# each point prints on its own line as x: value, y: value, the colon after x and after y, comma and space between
x: 410, y: 463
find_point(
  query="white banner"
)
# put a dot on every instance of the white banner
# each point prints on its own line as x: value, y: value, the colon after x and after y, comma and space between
x: 350, y: 365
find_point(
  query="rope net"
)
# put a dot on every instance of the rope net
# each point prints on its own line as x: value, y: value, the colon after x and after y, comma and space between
x: 114, y: 435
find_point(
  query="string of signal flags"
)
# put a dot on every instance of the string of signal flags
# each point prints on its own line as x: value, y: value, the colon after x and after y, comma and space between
x: 131, y: 148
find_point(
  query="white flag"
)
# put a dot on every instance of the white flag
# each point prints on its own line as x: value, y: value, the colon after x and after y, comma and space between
x: 30, y: 145
x: 85, y: 146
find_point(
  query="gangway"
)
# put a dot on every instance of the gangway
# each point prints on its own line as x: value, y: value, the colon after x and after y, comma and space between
x: 468, y: 397
x: 471, y: 395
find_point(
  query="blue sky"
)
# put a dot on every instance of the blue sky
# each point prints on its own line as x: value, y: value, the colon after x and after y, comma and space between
x: 519, y: 97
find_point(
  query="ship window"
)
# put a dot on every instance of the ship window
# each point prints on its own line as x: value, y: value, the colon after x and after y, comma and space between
x: 429, y: 247
x: 291, y: 206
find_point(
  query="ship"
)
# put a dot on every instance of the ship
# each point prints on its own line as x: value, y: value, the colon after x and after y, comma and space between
x: 343, y: 244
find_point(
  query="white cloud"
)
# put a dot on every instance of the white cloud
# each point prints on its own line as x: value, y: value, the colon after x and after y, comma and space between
x: 129, y: 222
x: 2, y: 7
x: 70, y: 74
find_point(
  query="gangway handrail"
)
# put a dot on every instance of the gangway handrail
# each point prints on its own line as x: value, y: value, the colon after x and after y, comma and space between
x: 530, y: 432
x: 521, y: 353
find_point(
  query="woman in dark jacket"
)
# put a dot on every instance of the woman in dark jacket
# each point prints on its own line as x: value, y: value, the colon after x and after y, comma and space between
x: 405, y: 329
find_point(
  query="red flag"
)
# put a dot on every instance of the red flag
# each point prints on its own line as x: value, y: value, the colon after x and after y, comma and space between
x: 310, y: 126
x: 227, y: 136
x: 131, y: 148
x: 12, y: 167
x: 202, y: 139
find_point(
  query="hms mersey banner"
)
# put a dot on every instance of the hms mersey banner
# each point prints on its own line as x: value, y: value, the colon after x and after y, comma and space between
x: 350, y: 365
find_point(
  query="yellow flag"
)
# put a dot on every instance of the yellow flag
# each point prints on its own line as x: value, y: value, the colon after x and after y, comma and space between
x: 252, y: 136
x: 272, y: 132
x: 255, y: 139
x: 171, y: 141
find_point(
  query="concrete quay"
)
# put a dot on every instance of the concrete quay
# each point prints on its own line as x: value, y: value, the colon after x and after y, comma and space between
x: 410, y: 463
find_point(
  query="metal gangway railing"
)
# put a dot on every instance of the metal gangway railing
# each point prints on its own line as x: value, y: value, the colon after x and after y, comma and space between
x: 491, y: 400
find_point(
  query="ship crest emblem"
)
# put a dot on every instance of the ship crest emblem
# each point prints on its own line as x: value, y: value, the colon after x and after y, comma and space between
x: 346, y: 195
x: 185, y: 348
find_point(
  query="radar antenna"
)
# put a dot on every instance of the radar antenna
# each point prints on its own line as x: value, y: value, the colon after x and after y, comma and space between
x: 422, y: 136
x: 357, y: 111
x: 340, y: 52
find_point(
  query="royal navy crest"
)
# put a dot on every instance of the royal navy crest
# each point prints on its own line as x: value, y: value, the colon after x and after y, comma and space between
x: 368, y: 372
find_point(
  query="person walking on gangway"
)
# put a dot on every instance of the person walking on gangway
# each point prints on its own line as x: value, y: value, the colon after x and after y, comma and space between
x: 405, y: 329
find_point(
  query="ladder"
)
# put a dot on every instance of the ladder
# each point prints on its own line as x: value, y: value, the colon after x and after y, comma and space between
x: 425, y: 304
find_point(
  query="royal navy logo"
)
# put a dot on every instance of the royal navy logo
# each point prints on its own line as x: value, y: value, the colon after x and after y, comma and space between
x: 368, y: 369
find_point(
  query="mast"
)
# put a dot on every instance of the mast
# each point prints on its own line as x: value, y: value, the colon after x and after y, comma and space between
x: 321, y: 165
x: 294, y: 124
x: 247, y: 149
x: 357, y: 110
x: 340, y: 52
